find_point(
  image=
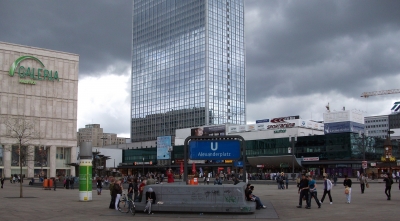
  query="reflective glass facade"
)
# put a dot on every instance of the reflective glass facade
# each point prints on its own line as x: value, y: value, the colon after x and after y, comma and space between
x: 188, y: 65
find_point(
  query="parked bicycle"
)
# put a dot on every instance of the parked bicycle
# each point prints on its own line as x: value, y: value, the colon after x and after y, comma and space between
x: 126, y: 205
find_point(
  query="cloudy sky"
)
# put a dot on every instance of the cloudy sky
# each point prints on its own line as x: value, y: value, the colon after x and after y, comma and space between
x: 301, y: 55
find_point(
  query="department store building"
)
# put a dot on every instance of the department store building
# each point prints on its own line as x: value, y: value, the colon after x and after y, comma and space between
x: 40, y: 86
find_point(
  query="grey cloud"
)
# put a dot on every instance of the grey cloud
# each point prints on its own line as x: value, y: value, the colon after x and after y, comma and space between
x: 306, y: 47
x: 99, y: 31
x: 309, y: 49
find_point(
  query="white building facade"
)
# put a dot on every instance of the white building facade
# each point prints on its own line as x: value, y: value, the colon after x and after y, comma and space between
x: 39, y: 86
x: 377, y: 126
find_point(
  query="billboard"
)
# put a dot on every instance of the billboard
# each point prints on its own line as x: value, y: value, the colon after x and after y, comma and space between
x: 251, y: 127
x: 262, y: 121
x: 208, y: 131
x: 343, y: 127
x: 283, y: 119
x: 164, y: 148
x: 280, y: 123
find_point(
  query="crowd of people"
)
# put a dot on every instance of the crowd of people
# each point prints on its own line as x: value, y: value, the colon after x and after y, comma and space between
x: 307, y: 188
x: 136, y: 186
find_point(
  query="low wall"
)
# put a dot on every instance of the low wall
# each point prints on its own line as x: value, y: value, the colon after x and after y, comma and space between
x: 179, y: 197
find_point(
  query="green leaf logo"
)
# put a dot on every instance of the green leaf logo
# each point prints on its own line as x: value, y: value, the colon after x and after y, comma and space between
x: 16, y: 62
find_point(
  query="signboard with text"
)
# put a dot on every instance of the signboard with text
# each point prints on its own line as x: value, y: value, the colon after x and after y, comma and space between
x: 214, y: 150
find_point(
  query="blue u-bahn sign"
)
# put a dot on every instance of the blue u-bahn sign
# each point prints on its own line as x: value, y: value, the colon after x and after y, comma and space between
x: 214, y: 149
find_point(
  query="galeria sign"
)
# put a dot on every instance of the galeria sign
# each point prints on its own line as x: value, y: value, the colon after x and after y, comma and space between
x: 38, y: 74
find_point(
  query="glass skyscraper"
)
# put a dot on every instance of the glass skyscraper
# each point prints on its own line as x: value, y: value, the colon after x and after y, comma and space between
x: 188, y: 65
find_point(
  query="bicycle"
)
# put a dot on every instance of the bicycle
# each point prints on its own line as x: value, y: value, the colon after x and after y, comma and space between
x: 126, y: 205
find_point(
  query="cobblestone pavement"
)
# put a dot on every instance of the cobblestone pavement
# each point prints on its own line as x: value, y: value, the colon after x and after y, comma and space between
x: 63, y: 204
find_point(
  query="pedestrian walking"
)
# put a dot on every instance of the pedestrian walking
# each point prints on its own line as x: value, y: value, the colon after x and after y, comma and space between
x: 312, y: 192
x: 303, y: 191
x: 54, y: 184
x: 117, y: 192
x: 2, y: 182
x: 72, y: 182
x: 363, y: 182
x: 388, y: 185
x: 347, y: 185
x: 335, y: 179
x: 298, y: 181
x: 99, y: 186
x: 111, y: 188
x: 287, y: 181
x: 67, y: 182
x: 135, y: 189
x: 130, y: 189
x: 327, y: 189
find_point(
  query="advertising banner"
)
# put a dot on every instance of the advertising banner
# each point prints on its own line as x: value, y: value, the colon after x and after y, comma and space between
x: 209, y: 131
x: 164, y: 148
x: 233, y: 129
x: 85, y: 180
x: 251, y: 127
x: 261, y: 127
x: 238, y: 163
x: 343, y: 127
x: 262, y: 121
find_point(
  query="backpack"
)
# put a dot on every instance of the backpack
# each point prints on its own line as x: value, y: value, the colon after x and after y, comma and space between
x: 135, y: 187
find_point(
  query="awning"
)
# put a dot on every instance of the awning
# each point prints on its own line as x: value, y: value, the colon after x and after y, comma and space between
x: 274, y: 161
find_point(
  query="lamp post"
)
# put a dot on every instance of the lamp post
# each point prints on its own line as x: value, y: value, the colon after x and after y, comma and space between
x: 293, y: 140
x: 362, y: 136
x: 143, y: 166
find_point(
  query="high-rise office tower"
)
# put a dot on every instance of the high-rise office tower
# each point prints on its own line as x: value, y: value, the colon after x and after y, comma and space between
x: 188, y: 65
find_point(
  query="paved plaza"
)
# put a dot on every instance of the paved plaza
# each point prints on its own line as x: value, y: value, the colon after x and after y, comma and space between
x: 63, y: 204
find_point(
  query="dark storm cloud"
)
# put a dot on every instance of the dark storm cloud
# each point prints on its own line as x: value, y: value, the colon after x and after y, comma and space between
x: 307, y: 47
x: 99, y: 31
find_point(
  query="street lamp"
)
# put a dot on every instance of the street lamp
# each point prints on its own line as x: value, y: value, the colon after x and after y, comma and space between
x: 293, y: 140
x: 362, y: 136
x: 143, y: 166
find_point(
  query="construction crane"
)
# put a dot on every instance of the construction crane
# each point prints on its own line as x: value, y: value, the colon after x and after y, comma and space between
x: 376, y: 93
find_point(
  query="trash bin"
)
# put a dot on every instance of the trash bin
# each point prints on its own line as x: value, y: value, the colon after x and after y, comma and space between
x: 195, y: 181
x: 45, y: 183
x: 51, y: 183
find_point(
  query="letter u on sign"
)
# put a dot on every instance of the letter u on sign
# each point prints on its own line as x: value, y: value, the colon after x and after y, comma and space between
x: 214, y: 148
